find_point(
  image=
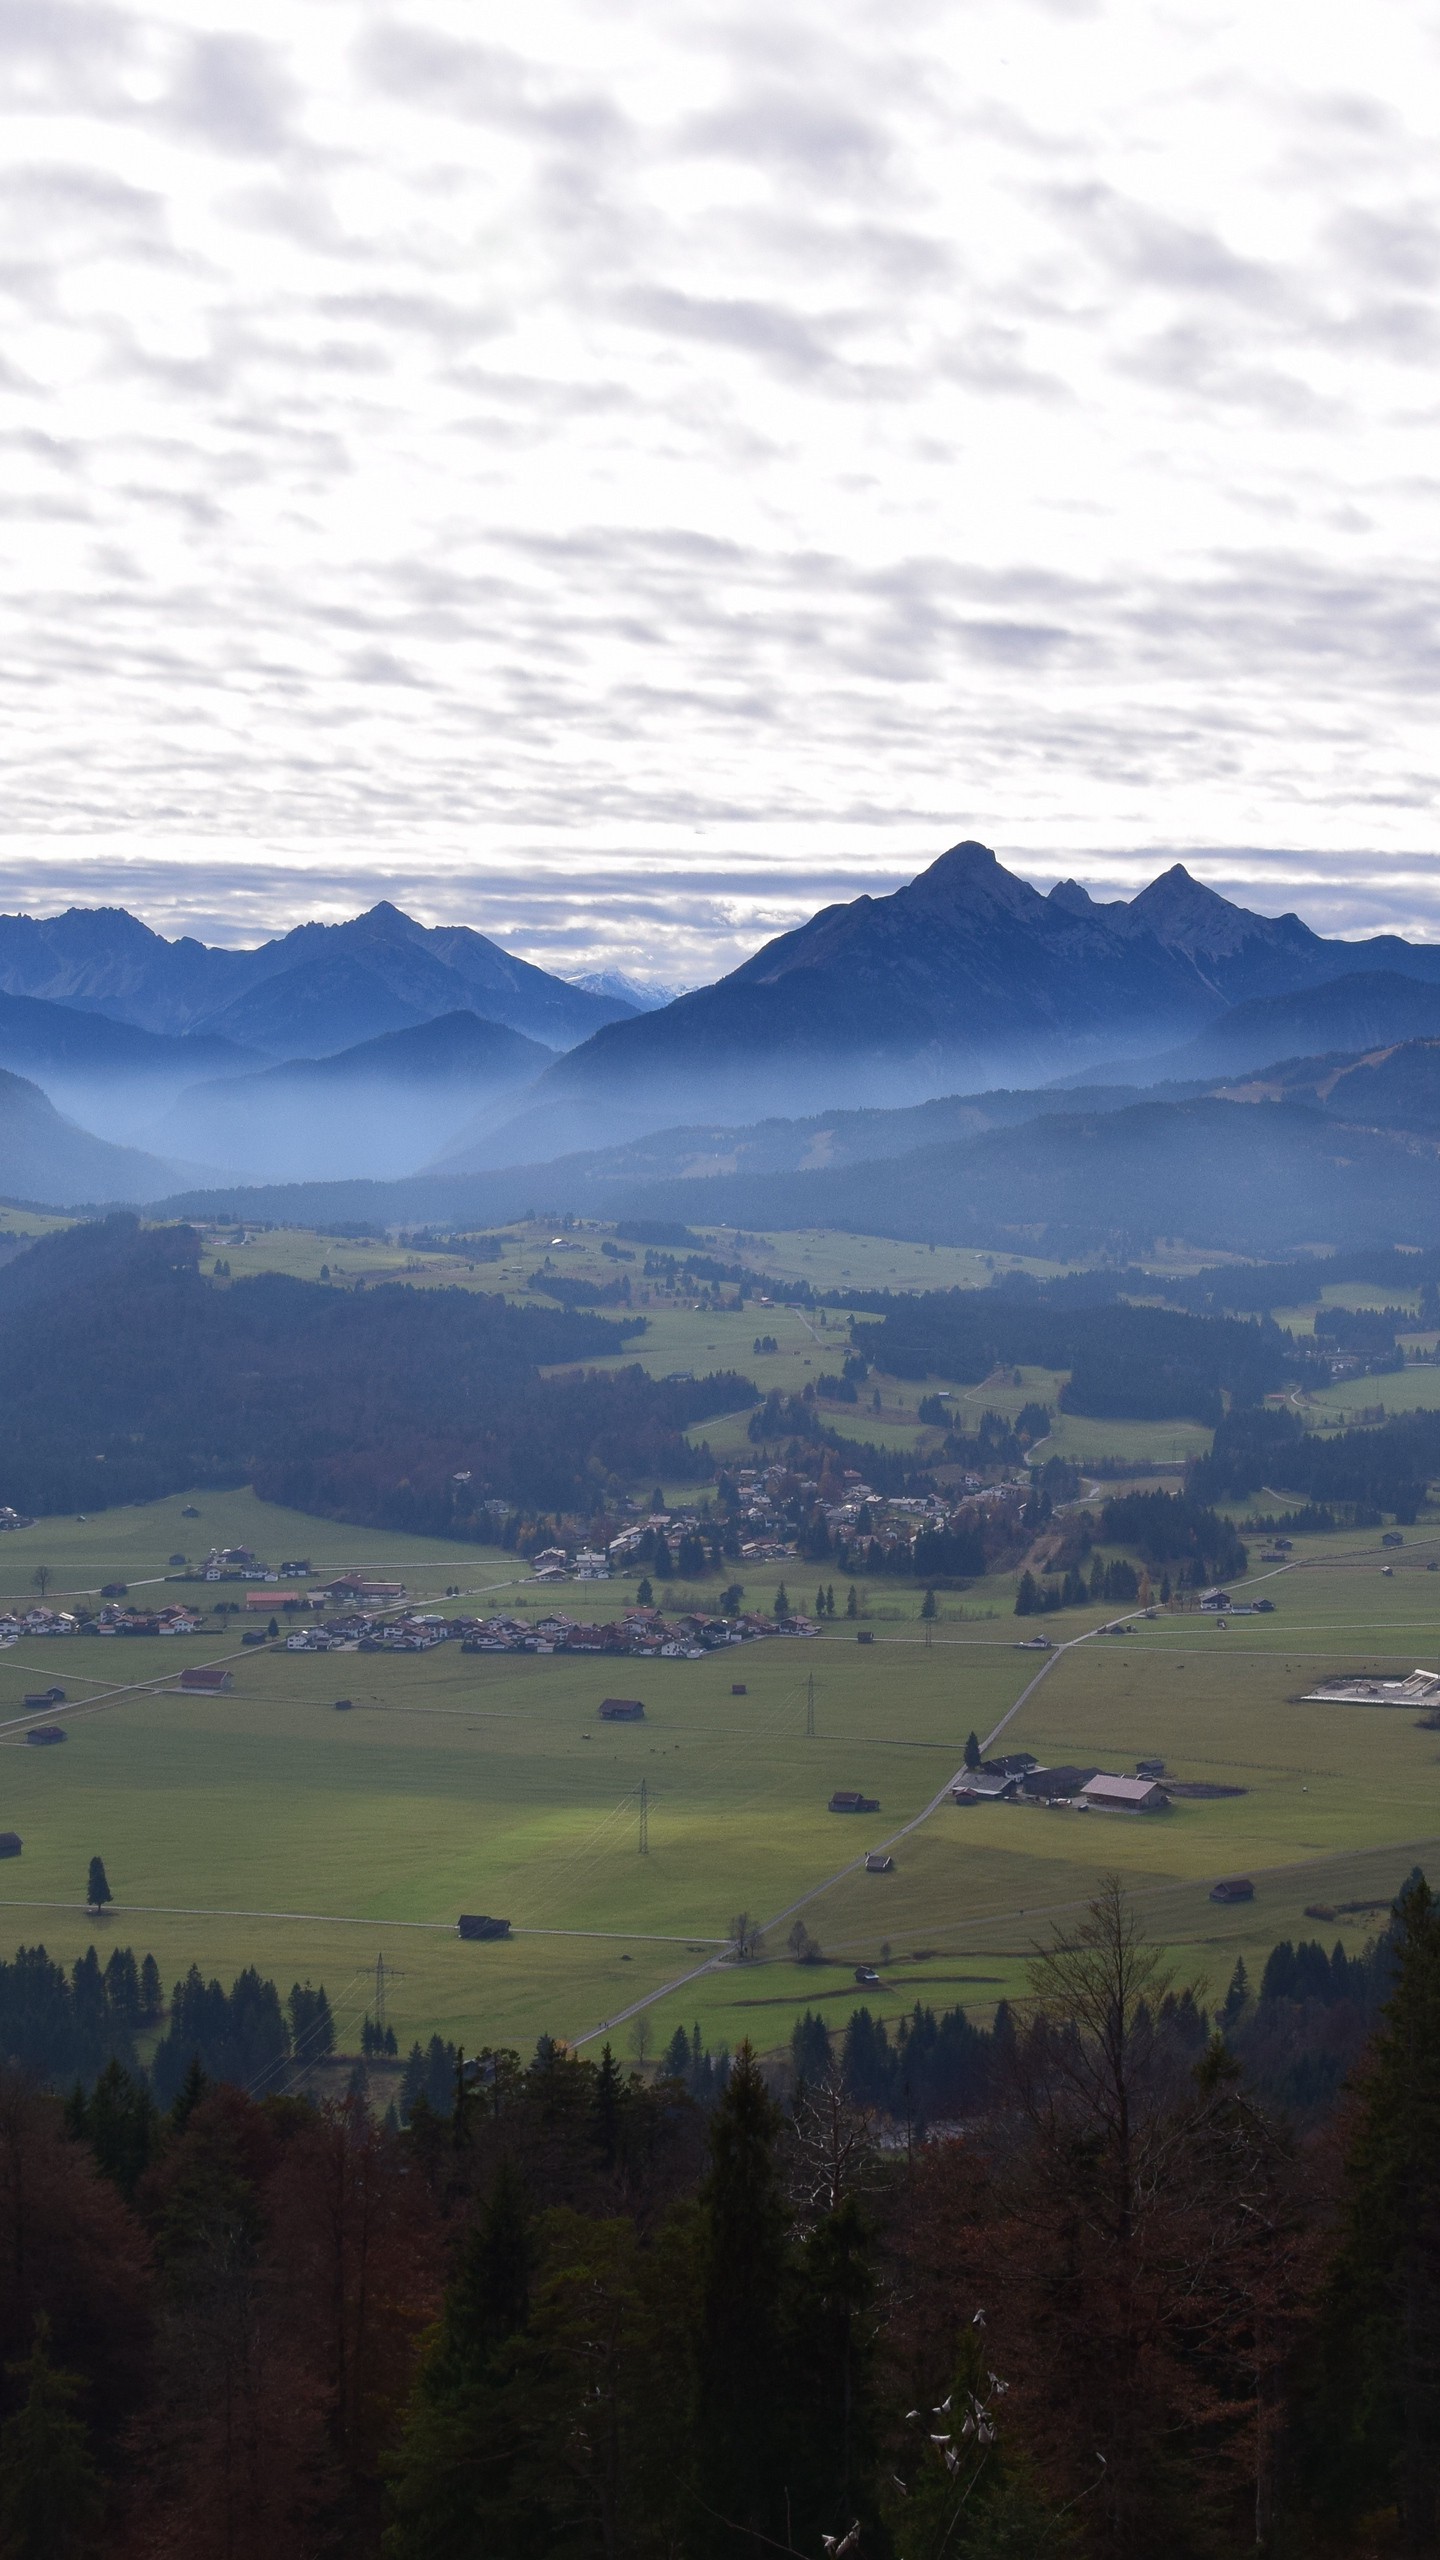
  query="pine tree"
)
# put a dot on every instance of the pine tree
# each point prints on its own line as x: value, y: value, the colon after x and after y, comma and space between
x: 50, y: 2493
x: 1237, y: 1995
x: 645, y: 1596
x: 193, y: 2088
x: 608, y: 2101
x: 820, y: 1600
x: 928, y: 1606
x: 120, y: 2121
x: 972, y: 1751
x: 463, y: 2429
x: 852, y: 1605
x: 97, y: 1891
x: 1378, y: 2439
x: 151, y: 1993
x: 738, y: 2433
x: 782, y: 1602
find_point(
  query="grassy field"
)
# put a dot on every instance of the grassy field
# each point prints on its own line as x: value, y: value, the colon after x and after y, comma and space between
x: 263, y: 1827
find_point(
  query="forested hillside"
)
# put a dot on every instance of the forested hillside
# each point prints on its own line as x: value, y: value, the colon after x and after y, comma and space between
x: 125, y: 1374
x: 1124, y: 1360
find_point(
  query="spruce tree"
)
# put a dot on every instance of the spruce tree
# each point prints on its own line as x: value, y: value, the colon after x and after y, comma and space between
x: 606, y: 2106
x: 928, y: 1606
x: 50, y: 2493
x: 1378, y: 2430
x: 97, y: 1890
x: 972, y: 1751
x: 738, y: 2437
x: 453, y: 2478
x: 852, y: 1605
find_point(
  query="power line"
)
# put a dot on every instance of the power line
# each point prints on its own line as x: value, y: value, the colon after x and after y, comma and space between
x: 644, y: 1818
x: 810, y: 1708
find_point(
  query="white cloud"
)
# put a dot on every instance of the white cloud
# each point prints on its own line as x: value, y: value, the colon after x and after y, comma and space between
x: 632, y: 474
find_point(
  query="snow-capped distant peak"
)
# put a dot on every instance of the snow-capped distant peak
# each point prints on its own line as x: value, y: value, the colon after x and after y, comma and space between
x: 647, y: 996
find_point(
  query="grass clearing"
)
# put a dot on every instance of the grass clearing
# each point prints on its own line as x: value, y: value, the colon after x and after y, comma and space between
x: 263, y: 1827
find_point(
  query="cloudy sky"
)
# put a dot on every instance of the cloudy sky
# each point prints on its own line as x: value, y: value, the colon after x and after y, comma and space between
x: 623, y: 475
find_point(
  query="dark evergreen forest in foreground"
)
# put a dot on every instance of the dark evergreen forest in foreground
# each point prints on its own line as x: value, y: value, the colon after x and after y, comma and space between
x: 1111, y: 2279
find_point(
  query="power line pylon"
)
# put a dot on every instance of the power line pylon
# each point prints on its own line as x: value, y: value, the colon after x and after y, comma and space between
x: 385, y: 1974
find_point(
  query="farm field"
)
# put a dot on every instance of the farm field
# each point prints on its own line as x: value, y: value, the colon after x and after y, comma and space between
x: 263, y: 1827
x: 826, y: 1260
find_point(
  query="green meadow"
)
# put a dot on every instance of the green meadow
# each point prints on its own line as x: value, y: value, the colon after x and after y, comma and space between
x: 266, y: 1827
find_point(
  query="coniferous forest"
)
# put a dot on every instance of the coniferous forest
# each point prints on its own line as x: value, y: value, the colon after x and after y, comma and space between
x: 1120, y: 2275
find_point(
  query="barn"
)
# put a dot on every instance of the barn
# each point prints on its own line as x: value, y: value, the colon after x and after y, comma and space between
x: 1124, y: 1795
x: 622, y: 1711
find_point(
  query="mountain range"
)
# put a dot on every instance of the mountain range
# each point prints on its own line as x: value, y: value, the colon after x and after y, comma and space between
x: 386, y: 1051
x: 965, y: 977
x: 307, y: 993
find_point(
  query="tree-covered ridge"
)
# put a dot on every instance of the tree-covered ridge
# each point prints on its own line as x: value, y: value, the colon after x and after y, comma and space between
x: 1148, y: 1363
x: 1385, y: 1467
x: 125, y: 1374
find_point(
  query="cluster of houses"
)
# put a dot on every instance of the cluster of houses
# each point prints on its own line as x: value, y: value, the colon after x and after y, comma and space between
x: 359, y: 1631
x: 1019, y: 1778
x: 643, y: 1633
x: 115, y: 1619
x: 37, y: 1622
x: 639, y: 1632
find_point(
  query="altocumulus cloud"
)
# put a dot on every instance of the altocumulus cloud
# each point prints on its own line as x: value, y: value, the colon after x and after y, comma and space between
x: 625, y: 476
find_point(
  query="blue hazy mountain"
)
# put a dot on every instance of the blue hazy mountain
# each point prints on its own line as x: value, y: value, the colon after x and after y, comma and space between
x: 314, y: 990
x: 378, y: 1108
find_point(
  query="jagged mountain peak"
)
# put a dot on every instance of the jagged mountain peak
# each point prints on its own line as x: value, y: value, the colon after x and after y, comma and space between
x: 969, y: 874
x: 1186, y: 915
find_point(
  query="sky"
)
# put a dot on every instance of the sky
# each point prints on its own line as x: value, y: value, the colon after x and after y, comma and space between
x: 621, y: 477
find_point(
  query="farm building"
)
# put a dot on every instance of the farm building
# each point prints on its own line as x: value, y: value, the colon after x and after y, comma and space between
x: 11, y: 1844
x: 478, y: 1924
x: 1418, y: 1689
x: 271, y: 1599
x: 206, y: 1680
x: 1124, y: 1795
x: 622, y: 1711
x: 850, y: 1800
x: 46, y: 1733
x: 878, y: 1862
x: 1233, y: 1889
x: 1055, y: 1786
x: 985, y: 1786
